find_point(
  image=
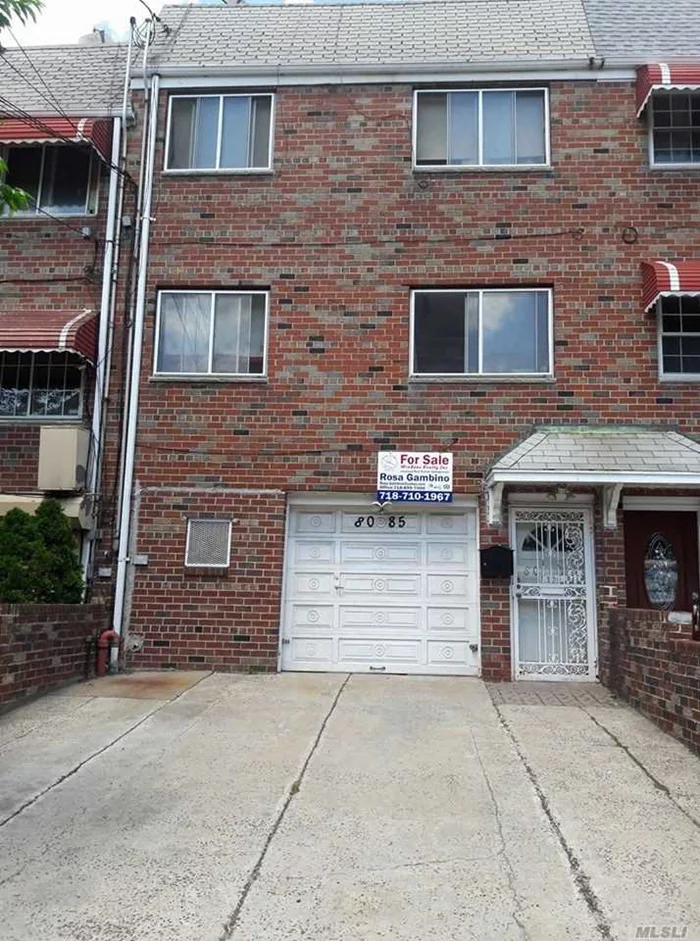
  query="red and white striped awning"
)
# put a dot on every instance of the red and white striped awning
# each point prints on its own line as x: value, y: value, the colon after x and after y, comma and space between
x: 666, y: 279
x: 651, y: 78
x: 49, y: 331
x: 53, y: 130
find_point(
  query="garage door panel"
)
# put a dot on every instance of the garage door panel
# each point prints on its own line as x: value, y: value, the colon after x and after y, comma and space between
x: 397, y: 523
x: 379, y: 650
x: 310, y: 649
x: 314, y: 553
x: 450, y: 524
x: 317, y: 617
x: 380, y: 552
x: 368, y: 584
x: 447, y: 652
x: 442, y: 554
x: 314, y: 584
x: 310, y: 522
x: 461, y: 620
x: 450, y: 586
x: 373, y: 619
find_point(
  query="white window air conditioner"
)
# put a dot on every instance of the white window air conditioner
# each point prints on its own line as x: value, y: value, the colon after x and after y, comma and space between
x: 63, y: 456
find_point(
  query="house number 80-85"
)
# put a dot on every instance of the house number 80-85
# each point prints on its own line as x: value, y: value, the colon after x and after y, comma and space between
x: 392, y: 522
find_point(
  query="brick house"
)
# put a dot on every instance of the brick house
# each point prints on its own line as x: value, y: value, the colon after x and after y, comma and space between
x: 61, y: 116
x: 415, y: 228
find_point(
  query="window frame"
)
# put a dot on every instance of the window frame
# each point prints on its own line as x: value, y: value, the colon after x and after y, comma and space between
x: 51, y: 419
x: 211, y: 565
x: 220, y: 170
x: 663, y: 376
x: 483, y: 376
x: 211, y: 376
x: 92, y: 196
x: 481, y: 166
x: 653, y: 163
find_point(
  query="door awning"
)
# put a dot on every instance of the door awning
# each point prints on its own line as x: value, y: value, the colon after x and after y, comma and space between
x: 666, y: 279
x: 53, y: 130
x: 660, y: 76
x: 612, y: 457
x: 49, y: 331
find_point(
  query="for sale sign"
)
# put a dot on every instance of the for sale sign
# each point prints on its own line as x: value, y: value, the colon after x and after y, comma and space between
x: 414, y: 476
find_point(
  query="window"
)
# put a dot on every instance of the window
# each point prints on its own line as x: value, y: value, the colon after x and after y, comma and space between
x: 219, y: 132
x: 40, y: 385
x: 679, y: 337
x: 481, y: 333
x: 675, y: 123
x: 60, y: 179
x: 495, y: 128
x: 218, y: 333
x: 208, y: 544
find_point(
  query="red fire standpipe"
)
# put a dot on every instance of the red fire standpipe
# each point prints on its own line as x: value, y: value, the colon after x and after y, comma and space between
x: 105, y: 642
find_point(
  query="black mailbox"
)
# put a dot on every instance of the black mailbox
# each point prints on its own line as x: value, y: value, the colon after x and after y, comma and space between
x: 496, y: 562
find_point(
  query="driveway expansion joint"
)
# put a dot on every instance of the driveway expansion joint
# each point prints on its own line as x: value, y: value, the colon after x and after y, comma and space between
x: 581, y: 879
x: 232, y: 921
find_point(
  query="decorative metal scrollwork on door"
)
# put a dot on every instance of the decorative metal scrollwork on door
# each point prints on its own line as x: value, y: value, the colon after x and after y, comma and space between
x: 661, y: 572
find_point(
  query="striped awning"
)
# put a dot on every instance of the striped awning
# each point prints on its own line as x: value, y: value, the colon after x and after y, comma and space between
x: 49, y: 331
x: 53, y: 130
x: 666, y: 278
x: 651, y: 78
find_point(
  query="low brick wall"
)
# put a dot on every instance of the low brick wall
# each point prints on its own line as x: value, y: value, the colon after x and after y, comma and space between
x: 655, y: 666
x: 43, y: 646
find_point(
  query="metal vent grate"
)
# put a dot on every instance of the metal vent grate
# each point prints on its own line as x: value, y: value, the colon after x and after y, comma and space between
x: 208, y: 543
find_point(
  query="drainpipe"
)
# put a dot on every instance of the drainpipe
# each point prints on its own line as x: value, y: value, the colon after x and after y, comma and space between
x: 135, y: 373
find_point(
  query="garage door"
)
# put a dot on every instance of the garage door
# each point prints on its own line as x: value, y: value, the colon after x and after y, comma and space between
x: 381, y: 592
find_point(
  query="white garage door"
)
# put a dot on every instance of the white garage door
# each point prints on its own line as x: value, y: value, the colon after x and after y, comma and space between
x: 388, y: 593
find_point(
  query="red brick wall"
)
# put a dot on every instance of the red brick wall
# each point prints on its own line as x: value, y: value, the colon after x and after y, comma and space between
x: 42, y: 646
x: 339, y: 233
x: 655, y: 666
x: 19, y: 456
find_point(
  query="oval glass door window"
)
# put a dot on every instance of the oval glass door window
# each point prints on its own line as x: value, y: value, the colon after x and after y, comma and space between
x: 660, y: 572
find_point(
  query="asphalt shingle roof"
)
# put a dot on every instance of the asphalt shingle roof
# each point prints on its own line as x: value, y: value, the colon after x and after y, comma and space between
x: 85, y: 80
x: 401, y: 34
x: 649, y: 30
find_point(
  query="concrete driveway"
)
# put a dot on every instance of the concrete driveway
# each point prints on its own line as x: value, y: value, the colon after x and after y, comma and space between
x: 198, y: 807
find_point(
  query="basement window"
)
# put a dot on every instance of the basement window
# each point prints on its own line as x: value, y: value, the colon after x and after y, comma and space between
x: 61, y: 180
x: 481, y: 128
x: 208, y: 543
x: 219, y: 133
x: 487, y: 333
x: 41, y: 385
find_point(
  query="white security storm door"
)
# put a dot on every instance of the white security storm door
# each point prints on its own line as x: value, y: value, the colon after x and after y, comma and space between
x: 554, y: 608
x: 389, y: 592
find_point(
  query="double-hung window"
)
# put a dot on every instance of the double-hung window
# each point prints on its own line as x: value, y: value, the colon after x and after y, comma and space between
x: 40, y: 385
x: 679, y: 337
x: 60, y: 179
x: 481, y: 128
x: 211, y: 333
x: 482, y: 333
x: 219, y: 132
x: 675, y: 127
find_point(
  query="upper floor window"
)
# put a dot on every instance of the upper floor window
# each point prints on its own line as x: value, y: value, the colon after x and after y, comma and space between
x: 215, y: 333
x: 482, y: 333
x: 481, y: 128
x: 61, y: 179
x: 219, y: 132
x: 679, y: 337
x: 40, y: 385
x: 675, y: 127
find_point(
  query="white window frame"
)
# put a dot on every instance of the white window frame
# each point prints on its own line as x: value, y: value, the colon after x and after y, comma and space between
x: 670, y: 376
x: 650, y: 137
x: 480, y: 166
x: 483, y: 376
x: 221, y: 170
x: 92, y: 196
x: 199, y: 565
x: 48, y: 419
x: 204, y: 376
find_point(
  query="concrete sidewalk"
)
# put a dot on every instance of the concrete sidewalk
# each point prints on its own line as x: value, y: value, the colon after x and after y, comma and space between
x: 185, y: 807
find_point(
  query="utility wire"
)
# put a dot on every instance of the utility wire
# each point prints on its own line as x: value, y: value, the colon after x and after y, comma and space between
x: 36, y: 70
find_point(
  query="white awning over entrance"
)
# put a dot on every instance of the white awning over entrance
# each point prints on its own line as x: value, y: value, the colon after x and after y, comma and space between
x: 609, y: 456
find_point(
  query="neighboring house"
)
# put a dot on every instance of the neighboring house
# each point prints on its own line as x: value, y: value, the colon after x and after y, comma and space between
x: 60, y: 125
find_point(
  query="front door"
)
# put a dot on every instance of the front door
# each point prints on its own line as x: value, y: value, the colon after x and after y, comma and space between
x: 553, y: 598
x: 661, y: 559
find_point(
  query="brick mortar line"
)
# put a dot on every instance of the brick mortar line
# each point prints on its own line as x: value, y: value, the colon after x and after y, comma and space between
x: 232, y: 921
